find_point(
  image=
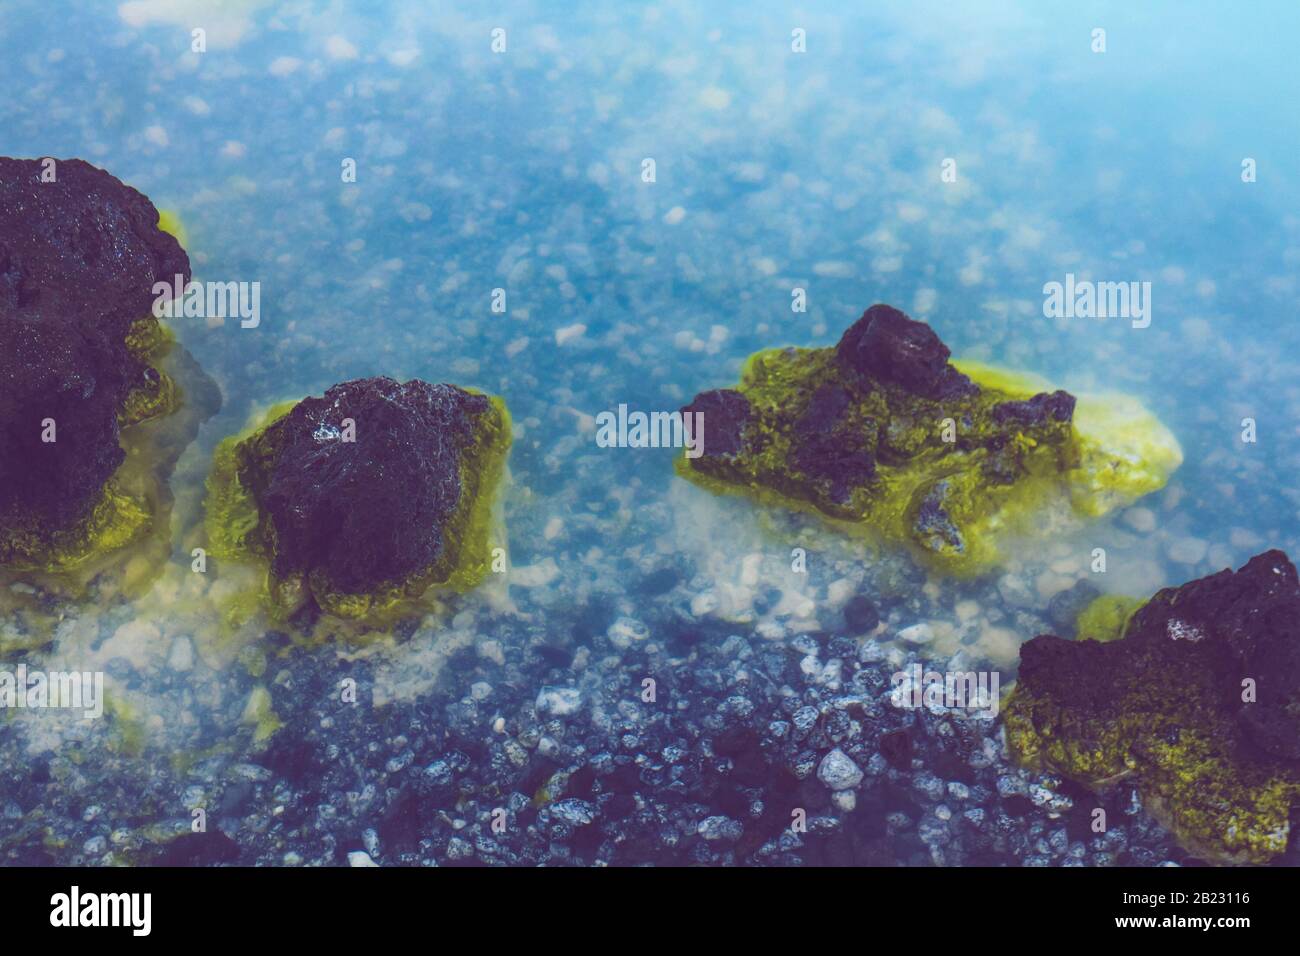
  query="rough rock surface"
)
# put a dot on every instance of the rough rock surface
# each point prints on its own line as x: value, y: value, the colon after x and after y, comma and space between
x: 887, y: 345
x: 1199, y: 701
x: 356, y: 516
x: 883, y: 430
x: 85, y: 248
x: 78, y: 260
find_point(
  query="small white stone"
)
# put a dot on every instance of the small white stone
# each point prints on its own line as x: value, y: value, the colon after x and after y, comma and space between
x: 625, y: 631
x: 360, y: 858
x: 838, y: 771
x: 492, y: 651
x: 838, y: 593
x: 704, y: 604
x: 569, y: 333
x: 181, y: 657
x: 1015, y: 591
x: 1186, y: 550
x: 1141, y: 519
x: 917, y: 634
x: 559, y: 701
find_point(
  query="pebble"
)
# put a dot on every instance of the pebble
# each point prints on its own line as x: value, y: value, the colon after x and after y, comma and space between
x: 1066, y: 606
x: 838, y: 771
x: 573, y: 811
x: 1186, y: 550
x: 720, y: 828
x: 559, y: 701
x: 805, y: 719
x: 704, y: 604
x: 917, y: 634
x: 626, y: 630
x: 860, y: 615
x: 1001, y: 645
x: 845, y: 800
x: 1142, y: 520
x: 181, y: 658
x: 360, y: 858
x: 1049, y: 584
x: 1243, y: 539
x: 1015, y: 591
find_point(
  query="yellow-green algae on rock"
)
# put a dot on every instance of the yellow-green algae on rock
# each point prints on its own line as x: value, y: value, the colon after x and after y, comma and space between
x: 885, y: 438
x: 1198, y: 703
x: 127, y: 532
x: 359, y: 525
x: 1106, y: 617
x: 89, y: 429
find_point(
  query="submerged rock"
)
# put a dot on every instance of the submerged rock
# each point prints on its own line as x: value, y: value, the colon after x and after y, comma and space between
x: 1198, y: 701
x: 366, y: 496
x: 883, y: 432
x: 79, y: 357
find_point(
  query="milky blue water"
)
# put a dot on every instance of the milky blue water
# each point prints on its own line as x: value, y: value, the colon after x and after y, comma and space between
x: 522, y: 170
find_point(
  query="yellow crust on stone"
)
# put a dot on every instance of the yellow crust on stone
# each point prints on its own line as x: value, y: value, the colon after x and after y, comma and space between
x: 234, y: 531
x: 1115, y: 452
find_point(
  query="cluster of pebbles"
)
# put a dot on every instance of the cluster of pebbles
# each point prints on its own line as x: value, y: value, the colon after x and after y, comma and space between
x: 512, y: 739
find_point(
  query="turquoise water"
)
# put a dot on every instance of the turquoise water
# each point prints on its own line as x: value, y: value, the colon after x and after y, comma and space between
x: 522, y: 170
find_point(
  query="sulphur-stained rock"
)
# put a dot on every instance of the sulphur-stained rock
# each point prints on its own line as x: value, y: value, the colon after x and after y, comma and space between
x: 80, y: 253
x: 884, y: 432
x: 366, y: 496
x: 1198, y: 701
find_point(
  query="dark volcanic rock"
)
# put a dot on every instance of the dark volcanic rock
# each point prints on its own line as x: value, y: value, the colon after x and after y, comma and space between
x: 726, y: 413
x: 1044, y: 407
x: 1200, y: 699
x: 1249, y: 622
x: 885, y: 344
x: 836, y: 458
x: 861, y: 615
x: 932, y: 524
x: 54, y: 371
x: 78, y: 261
x: 84, y: 249
x: 362, y: 515
x: 884, y: 431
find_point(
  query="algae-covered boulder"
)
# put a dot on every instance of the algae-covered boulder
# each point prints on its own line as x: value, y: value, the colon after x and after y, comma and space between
x: 884, y: 433
x: 364, y: 497
x: 80, y: 253
x: 1198, y: 702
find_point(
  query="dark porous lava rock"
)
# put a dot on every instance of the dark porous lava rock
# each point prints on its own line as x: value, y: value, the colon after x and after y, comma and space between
x: 85, y: 248
x: 725, y: 413
x: 882, y: 430
x: 375, y: 490
x: 79, y: 257
x: 886, y: 344
x: 1199, y: 701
